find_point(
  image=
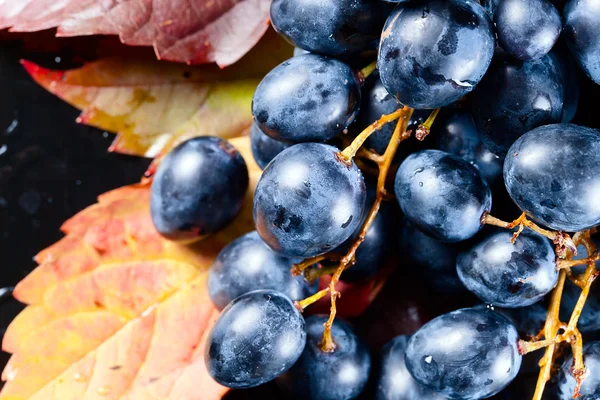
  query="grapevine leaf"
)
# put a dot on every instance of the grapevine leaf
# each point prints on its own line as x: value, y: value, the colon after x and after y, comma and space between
x: 189, y: 31
x: 116, y: 310
x: 153, y: 105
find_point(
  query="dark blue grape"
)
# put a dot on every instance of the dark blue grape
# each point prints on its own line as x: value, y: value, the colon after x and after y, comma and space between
x: 527, y: 29
x: 582, y: 32
x: 442, y: 195
x: 247, y: 264
x: 306, y: 98
x: 198, y: 188
x: 257, y: 337
x: 394, y: 381
x: 308, y: 202
x: 590, y: 389
x: 433, y: 260
x: 264, y: 147
x: 433, y: 52
x: 490, y: 6
x: 506, y: 274
x: 457, y: 134
x: 339, y: 375
x: 339, y: 28
x: 553, y: 174
x: 515, y: 97
x: 523, y: 387
x: 571, y: 82
x: 375, y: 102
x: 529, y: 322
x: 467, y: 354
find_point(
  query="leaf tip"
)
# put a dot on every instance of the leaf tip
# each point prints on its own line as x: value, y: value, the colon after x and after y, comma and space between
x: 39, y: 73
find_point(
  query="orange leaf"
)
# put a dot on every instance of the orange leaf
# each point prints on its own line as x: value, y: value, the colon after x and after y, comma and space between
x: 154, y: 105
x: 179, y: 30
x: 114, y: 310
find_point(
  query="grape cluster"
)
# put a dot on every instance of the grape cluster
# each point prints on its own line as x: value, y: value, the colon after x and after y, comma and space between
x: 351, y: 187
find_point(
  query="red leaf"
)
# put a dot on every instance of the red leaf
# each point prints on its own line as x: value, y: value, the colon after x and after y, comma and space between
x: 190, y: 31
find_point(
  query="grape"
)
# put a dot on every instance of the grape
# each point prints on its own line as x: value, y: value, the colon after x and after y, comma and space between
x: 394, y: 381
x: 527, y: 29
x: 198, y: 188
x: 582, y: 32
x: 337, y: 28
x: 553, y: 174
x: 257, y: 337
x: 442, y: 195
x: 433, y: 52
x: 375, y: 102
x: 490, y: 6
x: 247, y: 264
x: 264, y: 148
x: 515, y: 97
x: 457, y: 134
x: 434, y: 261
x: 466, y: 354
x: 506, y: 274
x: 523, y: 387
x: 590, y: 389
x: 529, y: 322
x: 571, y: 83
x: 306, y: 98
x: 308, y: 202
x: 318, y: 375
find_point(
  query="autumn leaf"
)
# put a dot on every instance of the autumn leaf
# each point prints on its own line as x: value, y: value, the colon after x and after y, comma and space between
x: 154, y: 105
x: 114, y: 310
x: 190, y: 31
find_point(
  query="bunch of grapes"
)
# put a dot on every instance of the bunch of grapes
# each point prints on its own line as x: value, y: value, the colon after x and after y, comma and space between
x: 483, y: 95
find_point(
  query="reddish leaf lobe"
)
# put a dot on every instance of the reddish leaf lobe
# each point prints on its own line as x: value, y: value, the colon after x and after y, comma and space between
x: 190, y: 31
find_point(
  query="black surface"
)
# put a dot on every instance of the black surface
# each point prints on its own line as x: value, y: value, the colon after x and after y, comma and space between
x: 50, y: 168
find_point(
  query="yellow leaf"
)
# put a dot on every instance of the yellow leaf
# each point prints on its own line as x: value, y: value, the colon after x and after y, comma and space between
x: 153, y: 105
x: 115, y: 311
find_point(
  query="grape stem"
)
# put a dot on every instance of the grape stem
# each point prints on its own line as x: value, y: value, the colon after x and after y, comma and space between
x: 424, y: 129
x: 383, y: 162
x: 349, y: 152
x: 553, y: 325
x: 562, y: 240
x: 364, y: 73
x: 572, y: 263
x: 400, y: 134
x: 297, y: 269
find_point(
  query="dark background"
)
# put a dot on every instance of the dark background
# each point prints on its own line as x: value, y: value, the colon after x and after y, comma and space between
x: 50, y: 166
